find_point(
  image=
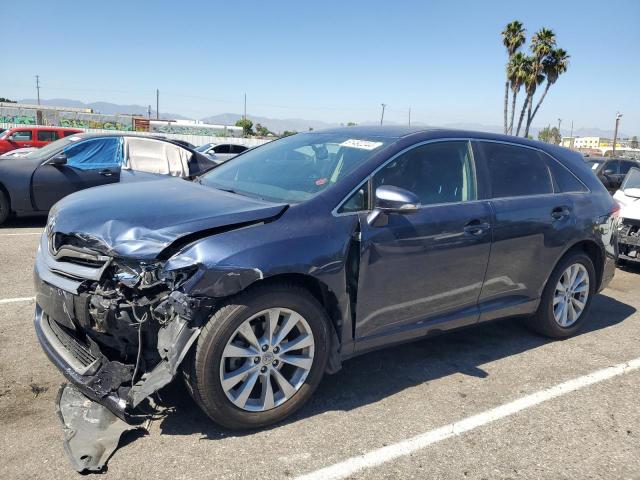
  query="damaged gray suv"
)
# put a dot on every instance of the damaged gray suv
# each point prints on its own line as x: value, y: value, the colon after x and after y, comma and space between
x: 276, y: 266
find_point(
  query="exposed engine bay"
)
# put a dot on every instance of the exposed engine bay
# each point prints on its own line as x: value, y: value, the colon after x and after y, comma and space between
x: 120, y: 336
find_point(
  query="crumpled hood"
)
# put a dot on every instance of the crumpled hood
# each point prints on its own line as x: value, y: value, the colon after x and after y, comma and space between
x: 141, y: 219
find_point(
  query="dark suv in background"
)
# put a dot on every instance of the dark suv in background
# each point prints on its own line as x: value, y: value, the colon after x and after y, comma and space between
x: 281, y: 263
x: 611, y: 171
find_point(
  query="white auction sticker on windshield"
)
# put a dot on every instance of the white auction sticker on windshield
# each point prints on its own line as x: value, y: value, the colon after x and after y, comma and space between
x: 361, y: 144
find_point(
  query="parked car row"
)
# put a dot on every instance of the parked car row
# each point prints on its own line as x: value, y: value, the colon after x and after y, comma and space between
x: 33, y: 183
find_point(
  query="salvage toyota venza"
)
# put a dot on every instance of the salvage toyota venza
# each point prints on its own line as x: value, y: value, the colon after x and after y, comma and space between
x: 276, y: 266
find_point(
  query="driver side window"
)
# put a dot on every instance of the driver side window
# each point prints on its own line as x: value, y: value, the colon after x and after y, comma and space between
x: 440, y: 172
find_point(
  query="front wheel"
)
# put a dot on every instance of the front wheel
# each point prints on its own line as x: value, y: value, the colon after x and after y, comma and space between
x: 260, y: 357
x: 567, y: 297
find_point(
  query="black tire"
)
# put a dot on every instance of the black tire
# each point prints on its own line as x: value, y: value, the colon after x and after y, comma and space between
x: 5, y: 207
x: 544, y: 321
x: 202, y: 369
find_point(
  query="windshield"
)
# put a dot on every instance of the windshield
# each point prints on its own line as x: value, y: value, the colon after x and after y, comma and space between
x: 53, y: 147
x: 203, y: 148
x: 294, y: 168
x: 632, y: 180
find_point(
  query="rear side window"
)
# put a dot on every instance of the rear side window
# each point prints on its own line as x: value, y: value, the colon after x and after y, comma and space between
x: 565, y: 181
x: 516, y: 171
x: 47, y: 135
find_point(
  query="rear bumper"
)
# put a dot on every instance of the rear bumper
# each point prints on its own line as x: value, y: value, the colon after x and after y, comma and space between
x: 65, y: 357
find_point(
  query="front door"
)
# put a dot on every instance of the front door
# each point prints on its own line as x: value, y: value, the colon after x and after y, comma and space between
x: 90, y: 163
x: 424, y: 270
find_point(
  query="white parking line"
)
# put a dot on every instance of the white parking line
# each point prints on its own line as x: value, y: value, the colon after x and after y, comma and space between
x: 18, y: 299
x: 406, y: 447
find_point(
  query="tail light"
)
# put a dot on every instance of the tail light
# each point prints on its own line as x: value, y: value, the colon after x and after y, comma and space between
x: 615, y: 210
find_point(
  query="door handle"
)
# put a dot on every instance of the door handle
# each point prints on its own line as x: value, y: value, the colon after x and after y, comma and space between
x: 559, y: 213
x: 106, y: 172
x: 476, y: 228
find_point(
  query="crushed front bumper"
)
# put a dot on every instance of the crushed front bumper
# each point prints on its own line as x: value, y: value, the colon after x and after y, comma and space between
x: 77, y: 364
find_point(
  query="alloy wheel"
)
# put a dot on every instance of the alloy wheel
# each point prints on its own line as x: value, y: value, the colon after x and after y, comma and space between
x: 571, y: 294
x: 267, y: 359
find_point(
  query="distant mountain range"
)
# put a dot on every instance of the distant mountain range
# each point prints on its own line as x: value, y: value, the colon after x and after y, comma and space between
x: 278, y: 125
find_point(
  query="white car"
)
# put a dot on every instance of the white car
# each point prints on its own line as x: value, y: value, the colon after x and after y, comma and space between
x: 18, y: 152
x: 221, y: 152
x: 629, y: 221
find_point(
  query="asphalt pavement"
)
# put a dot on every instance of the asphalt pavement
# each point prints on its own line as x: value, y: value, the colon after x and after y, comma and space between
x: 395, y: 413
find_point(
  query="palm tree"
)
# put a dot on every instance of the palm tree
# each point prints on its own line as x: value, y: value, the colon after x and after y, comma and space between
x: 532, y: 78
x: 516, y: 73
x: 554, y: 65
x: 512, y: 38
x: 542, y: 43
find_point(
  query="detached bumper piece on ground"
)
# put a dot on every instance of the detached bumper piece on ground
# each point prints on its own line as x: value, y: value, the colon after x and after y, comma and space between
x: 91, y: 431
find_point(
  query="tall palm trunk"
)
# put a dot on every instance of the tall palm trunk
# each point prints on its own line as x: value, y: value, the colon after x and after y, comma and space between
x: 513, y: 112
x: 526, y: 128
x: 524, y: 109
x: 535, y: 110
x: 506, y: 104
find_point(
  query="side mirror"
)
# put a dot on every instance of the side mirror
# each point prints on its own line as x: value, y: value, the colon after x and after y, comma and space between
x: 390, y: 199
x: 608, y: 171
x: 59, y: 160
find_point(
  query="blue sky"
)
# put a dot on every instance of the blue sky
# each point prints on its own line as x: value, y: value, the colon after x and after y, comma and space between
x: 330, y: 60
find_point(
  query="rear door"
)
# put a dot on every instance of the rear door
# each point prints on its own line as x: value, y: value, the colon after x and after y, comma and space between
x: 532, y: 225
x: 44, y: 137
x: 424, y: 270
x: 90, y: 163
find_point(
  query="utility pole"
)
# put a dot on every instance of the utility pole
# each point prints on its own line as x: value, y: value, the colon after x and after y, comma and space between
x: 384, y: 105
x: 244, y: 117
x: 571, y: 136
x: 38, y: 87
x: 559, y: 123
x: 149, y: 112
x: 157, y: 104
x: 409, y: 116
x: 615, y: 133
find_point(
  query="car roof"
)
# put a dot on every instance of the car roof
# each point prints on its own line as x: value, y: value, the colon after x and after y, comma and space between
x: 85, y: 136
x: 428, y: 133
x: 44, y: 127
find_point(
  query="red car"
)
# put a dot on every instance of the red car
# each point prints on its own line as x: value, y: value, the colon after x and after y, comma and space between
x: 32, y: 136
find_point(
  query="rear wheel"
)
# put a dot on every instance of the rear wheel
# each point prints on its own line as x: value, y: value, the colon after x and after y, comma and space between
x: 567, y: 297
x: 5, y: 208
x: 260, y: 357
